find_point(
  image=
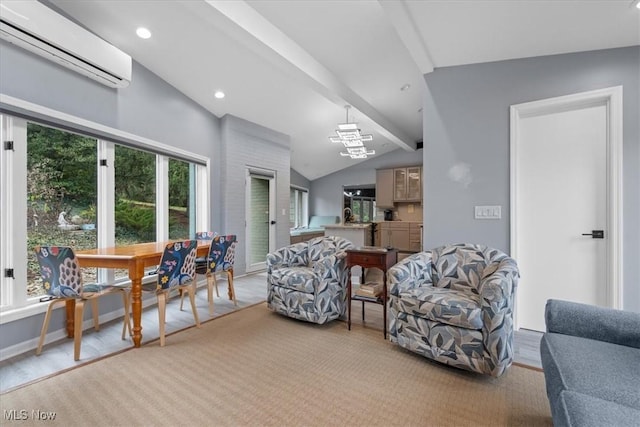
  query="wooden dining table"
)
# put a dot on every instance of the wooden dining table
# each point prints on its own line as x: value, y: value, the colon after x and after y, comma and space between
x: 134, y: 258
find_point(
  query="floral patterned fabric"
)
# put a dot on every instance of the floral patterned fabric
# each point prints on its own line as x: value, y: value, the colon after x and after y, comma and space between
x: 308, y: 280
x: 222, y: 253
x: 201, y: 262
x: 177, y: 266
x: 60, y: 272
x: 454, y: 304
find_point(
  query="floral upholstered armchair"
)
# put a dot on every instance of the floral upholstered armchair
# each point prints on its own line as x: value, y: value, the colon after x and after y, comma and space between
x: 454, y: 304
x: 308, y: 280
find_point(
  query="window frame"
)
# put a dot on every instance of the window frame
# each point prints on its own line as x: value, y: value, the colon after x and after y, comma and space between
x: 14, y: 115
x: 300, y: 193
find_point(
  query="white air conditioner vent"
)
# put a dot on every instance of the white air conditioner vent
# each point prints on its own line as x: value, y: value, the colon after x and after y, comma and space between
x: 33, y: 26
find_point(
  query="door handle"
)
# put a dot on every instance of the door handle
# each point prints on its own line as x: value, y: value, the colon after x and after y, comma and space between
x: 272, y: 222
x: 595, y: 234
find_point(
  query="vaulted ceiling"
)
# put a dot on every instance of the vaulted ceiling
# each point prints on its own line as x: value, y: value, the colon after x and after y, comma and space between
x: 292, y: 65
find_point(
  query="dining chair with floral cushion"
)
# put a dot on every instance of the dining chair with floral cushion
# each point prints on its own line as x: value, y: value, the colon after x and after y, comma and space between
x: 201, y: 261
x: 221, y: 258
x: 176, y: 271
x: 62, y: 279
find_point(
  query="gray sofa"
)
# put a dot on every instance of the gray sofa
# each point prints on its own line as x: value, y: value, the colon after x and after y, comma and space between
x: 591, y: 361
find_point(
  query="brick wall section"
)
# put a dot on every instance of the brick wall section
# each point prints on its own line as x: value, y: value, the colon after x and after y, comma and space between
x: 245, y: 145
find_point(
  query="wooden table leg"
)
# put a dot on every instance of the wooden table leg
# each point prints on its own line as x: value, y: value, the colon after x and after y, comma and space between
x: 70, y: 311
x: 136, y: 301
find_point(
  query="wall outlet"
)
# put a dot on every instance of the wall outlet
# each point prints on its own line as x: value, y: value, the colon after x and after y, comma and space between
x: 488, y: 212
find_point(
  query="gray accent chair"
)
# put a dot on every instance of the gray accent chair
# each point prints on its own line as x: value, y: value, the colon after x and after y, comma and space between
x: 591, y: 361
x: 308, y: 280
x: 454, y: 304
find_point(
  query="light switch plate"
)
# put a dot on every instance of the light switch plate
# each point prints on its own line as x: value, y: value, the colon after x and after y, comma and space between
x: 488, y: 212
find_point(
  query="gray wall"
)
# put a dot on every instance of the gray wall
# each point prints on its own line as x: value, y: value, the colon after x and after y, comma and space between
x: 299, y: 180
x: 149, y: 107
x: 325, y: 194
x: 245, y: 144
x: 466, y: 120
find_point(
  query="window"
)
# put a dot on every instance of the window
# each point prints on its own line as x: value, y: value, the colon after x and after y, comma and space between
x: 298, y: 207
x: 135, y: 195
x: 61, y: 187
x: 361, y: 203
x: 61, y: 196
x: 181, y: 199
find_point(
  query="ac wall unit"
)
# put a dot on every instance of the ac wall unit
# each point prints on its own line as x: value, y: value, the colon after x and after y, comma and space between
x: 35, y: 27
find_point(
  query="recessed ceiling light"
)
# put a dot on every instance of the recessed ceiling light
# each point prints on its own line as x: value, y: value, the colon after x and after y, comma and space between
x: 405, y: 87
x: 143, y: 33
x: 219, y: 94
x: 635, y: 3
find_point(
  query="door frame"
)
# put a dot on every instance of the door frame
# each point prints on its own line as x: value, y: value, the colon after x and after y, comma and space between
x: 611, y: 98
x: 270, y: 176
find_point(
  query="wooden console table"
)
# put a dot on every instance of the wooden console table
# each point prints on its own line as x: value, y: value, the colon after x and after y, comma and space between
x: 370, y: 257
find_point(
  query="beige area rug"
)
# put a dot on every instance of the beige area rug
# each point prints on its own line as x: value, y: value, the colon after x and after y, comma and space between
x: 254, y: 367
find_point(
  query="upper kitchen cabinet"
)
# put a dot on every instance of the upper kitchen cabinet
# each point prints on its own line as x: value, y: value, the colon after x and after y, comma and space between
x: 407, y: 184
x: 384, y: 188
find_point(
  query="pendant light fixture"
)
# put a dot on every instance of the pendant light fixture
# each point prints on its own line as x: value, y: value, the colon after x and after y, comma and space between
x: 349, y: 135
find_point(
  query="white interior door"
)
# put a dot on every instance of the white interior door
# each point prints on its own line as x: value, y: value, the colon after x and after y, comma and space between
x: 561, y: 177
x: 260, y: 218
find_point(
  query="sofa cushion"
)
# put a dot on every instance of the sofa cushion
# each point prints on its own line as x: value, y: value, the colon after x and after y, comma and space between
x: 448, y: 306
x: 581, y: 410
x: 295, y: 278
x: 600, y: 369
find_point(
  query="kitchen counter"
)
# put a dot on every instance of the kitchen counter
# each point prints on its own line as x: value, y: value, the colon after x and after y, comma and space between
x: 358, y: 234
x: 348, y: 225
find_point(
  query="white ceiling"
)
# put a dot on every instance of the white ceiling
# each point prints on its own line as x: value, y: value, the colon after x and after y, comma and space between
x: 292, y: 66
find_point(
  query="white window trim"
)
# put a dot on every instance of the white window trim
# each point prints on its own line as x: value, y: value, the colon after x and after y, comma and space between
x: 14, y: 108
x: 305, y: 205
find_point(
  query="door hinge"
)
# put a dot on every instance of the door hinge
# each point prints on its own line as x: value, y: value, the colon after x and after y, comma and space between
x: 103, y: 162
x: 8, y: 272
x: 8, y: 145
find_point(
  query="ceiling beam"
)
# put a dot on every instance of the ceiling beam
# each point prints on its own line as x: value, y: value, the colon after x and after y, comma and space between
x: 268, y: 36
x: 398, y: 13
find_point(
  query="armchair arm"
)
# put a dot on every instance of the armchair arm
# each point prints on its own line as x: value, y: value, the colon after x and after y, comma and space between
x: 288, y: 256
x: 497, y: 288
x: 410, y: 273
x: 596, y: 323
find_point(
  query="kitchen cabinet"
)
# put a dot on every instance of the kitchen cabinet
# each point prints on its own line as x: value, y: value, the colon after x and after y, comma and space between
x: 407, y: 184
x: 415, y: 237
x: 395, y: 234
x: 384, y: 188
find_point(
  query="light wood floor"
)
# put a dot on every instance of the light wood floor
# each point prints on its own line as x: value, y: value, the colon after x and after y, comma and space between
x: 250, y: 289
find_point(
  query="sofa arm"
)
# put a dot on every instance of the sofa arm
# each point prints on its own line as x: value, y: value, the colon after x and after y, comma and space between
x: 288, y: 256
x: 592, y: 322
x: 410, y: 273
